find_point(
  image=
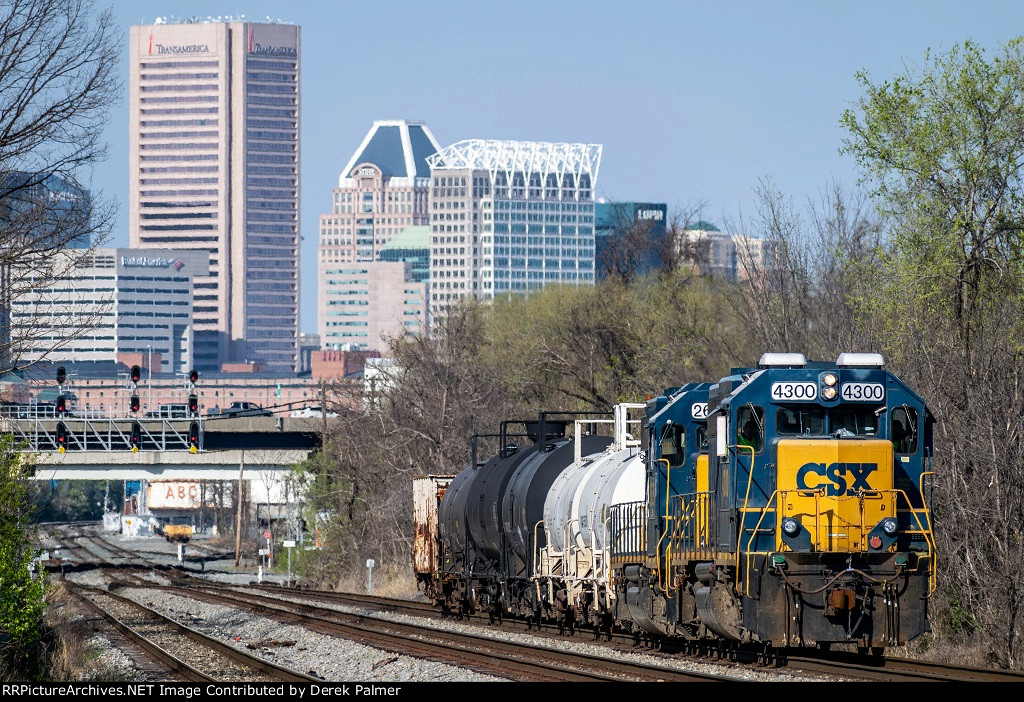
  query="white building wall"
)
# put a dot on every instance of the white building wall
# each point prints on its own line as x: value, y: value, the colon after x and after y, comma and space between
x: 117, y: 301
x: 509, y: 217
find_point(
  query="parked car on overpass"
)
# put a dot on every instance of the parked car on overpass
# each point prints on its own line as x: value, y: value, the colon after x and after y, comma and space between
x: 241, y: 409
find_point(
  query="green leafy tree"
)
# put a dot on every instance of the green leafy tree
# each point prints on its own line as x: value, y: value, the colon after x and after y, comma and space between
x: 941, y: 147
x: 21, y: 591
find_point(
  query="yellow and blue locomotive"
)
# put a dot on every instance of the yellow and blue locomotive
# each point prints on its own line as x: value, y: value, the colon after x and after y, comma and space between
x: 785, y: 505
x: 803, y: 520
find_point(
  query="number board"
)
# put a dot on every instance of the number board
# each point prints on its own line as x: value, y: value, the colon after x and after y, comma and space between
x: 795, y: 392
x: 863, y: 392
x: 699, y: 410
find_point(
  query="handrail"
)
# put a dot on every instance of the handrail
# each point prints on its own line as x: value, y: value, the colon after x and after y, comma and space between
x: 664, y: 567
x: 916, y: 515
x: 746, y: 500
x: 637, y: 511
x: 536, y: 544
x: 928, y: 535
x: 750, y: 554
x: 694, y: 512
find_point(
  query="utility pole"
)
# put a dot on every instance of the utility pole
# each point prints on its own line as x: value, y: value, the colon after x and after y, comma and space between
x: 323, y: 408
x: 202, y: 503
x: 238, y: 518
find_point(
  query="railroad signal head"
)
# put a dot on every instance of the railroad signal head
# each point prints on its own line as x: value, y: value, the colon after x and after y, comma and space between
x: 62, y: 375
x: 136, y: 436
x: 62, y: 404
x: 193, y: 437
x: 135, y: 403
x: 136, y: 373
x: 193, y: 404
x: 62, y: 437
x: 193, y: 376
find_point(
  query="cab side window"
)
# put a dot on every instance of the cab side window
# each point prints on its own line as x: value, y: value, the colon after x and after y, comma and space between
x: 750, y: 427
x: 673, y: 444
x: 904, y: 430
x: 702, y: 439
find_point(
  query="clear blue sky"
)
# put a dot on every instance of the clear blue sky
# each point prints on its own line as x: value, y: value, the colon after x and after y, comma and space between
x: 693, y: 101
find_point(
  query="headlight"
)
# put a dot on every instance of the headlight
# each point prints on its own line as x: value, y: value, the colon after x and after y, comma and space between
x: 829, y: 393
x: 829, y: 379
x: 889, y: 526
x: 790, y: 526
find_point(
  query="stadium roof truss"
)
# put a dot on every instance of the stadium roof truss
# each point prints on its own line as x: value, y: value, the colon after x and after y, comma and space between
x: 526, y: 157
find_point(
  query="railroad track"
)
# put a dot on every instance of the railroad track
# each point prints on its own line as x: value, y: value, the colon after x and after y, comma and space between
x: 300, y: 607
x: 850, y: 666
x: 477, y: 651
x: 186, y: 653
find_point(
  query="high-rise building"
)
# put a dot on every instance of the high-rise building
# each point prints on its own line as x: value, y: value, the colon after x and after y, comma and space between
x: 510, y: 216
x: 214, y: 151
x: 111, y: 302
x: 369, y: 302
x: 39, y: 213
x: 383, y: 190
x: 630, y: 238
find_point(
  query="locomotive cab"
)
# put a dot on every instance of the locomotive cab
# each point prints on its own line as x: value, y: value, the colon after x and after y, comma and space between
x: 821, y: 526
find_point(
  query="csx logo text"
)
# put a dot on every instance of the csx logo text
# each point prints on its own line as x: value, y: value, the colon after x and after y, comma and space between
x: 813, y: 475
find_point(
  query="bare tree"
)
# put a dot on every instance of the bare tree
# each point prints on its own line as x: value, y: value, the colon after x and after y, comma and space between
x: 58, y: 79
x: 801, y: 268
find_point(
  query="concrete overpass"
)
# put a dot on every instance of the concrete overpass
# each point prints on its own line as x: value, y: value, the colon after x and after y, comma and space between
x: 265, y: 464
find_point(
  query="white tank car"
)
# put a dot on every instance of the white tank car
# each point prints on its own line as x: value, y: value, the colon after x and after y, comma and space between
x: 578, y: 499
x: 581, y: 494
x: 623, y: 478
x: 559, y: 507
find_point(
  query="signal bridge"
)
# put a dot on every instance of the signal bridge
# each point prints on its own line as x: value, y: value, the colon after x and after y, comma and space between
x: 80, y: 448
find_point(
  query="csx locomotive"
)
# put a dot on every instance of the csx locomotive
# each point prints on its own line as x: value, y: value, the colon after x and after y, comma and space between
x: 786, y: 505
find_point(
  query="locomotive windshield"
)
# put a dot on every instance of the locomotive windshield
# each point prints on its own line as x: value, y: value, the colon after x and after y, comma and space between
x: 860, y: 421
x: 810, y: 420
x: 800, y: 420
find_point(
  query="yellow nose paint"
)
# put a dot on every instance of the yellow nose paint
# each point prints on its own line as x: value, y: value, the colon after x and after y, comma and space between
x: 837, y: 489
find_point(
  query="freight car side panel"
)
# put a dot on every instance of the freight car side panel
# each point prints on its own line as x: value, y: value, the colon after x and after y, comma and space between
x: 427, y: 492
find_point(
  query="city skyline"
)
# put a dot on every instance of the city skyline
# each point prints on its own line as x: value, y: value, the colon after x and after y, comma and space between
x: 692, y: 102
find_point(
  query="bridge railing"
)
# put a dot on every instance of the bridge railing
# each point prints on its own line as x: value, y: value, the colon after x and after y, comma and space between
x: 81, y: 434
